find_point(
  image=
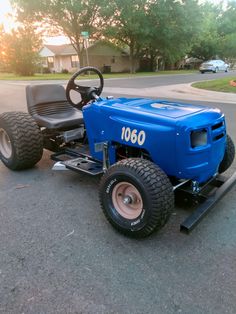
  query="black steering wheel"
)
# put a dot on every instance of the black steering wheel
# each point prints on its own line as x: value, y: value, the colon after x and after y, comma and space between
x: 87, y: 93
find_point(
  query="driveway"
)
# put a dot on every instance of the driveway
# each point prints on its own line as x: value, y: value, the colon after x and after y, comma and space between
x: 59, y: 255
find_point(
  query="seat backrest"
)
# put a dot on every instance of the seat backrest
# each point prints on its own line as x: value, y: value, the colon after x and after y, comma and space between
x: 46, y: 99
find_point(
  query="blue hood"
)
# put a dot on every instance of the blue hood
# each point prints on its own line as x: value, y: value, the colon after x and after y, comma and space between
x: 156, y: 107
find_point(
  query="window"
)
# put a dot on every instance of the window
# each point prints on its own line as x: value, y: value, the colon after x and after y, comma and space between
x: 74, y: 61
x: 44, y: 62
x: 113, y: 59
x: 50, y: 62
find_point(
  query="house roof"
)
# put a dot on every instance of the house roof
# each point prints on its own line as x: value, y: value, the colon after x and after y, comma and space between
x: 124, y: 51
x: 68, y: 49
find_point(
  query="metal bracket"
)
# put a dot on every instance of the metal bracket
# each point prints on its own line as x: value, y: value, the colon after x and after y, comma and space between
x: 106, y: 162
x: 195, y: 187
x: 180, y: 184
x: 222, y: 186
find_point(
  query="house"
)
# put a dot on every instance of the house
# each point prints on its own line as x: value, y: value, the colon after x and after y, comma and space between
x: 57, y: 58
x: 101, y: 54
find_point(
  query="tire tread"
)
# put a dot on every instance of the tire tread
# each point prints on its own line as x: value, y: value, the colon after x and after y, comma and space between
x: 26, y: 139
x: 229, y: 155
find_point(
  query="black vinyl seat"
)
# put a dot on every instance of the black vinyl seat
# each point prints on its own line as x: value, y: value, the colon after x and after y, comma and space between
x: 48, y: 105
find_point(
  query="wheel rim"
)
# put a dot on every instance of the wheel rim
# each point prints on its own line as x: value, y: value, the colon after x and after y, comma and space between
x: 5, y: 144
x: 127, y: 200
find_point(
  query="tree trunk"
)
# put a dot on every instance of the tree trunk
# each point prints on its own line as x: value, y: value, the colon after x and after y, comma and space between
x: 161, y: 64
x: 81, y: 58
x: 153, y: 63
x: 79, y: 53
x: 132, y: 60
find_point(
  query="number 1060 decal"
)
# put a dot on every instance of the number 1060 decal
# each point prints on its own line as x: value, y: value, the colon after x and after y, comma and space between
x: 133, y: 136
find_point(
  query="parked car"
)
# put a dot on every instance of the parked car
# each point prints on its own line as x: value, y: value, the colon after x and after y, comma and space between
x: 214, y: 66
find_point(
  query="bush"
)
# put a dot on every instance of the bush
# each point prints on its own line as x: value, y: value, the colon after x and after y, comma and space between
x: 46, y: 70
x: 64, y: 71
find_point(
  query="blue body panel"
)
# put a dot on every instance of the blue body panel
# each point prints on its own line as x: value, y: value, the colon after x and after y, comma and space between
x: 167, y: 127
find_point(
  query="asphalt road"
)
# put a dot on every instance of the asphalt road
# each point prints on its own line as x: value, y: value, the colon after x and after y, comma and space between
x: 162, y: 80
x: 59, y: 255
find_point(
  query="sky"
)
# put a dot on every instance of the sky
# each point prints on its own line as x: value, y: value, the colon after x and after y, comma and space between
x: 5, y: 9
x: 8, y: 23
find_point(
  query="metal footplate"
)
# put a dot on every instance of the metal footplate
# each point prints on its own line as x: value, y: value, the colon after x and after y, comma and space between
x: 220, y: 187
x: 78, y: 161
x: 85, y: 165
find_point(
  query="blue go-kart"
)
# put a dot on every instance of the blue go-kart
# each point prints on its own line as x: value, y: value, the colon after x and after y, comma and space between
x: 148, y: 153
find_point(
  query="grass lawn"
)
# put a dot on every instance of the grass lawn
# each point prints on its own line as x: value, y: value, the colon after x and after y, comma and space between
x: 220, y: 85
x: 59, y: 76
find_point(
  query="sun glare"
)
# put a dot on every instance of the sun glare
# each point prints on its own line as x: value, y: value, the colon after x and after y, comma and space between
x: 6, y: 15
x: 8, y: 22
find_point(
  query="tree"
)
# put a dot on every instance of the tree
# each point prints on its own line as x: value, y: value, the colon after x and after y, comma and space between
x: 227, y: 19
x: 218, y: 33
x: 127, y: 24
x: 227, y: 31
x: 70, y: 17
x: 207, y: 44
x: 174, y: 26
x: 20, y: 52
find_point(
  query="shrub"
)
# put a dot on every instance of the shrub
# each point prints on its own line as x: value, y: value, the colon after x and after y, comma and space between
x: 64, y: 71
x: 46, y: 70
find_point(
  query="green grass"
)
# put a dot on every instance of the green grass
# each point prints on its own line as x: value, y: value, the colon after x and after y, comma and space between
x: 59, y: 76
x: 14, y: 77
x: 219, y: 85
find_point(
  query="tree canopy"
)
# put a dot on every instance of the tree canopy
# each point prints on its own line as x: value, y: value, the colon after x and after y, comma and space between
x: 127, y: 23
x: 174, y: 26
x: 69, y: 17
x: 166, y: 30
x: 19, y: 50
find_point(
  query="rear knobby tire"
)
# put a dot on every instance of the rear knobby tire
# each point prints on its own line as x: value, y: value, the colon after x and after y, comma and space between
x: 228, y: 156
x: 151, y: 193
x: 21, y: 142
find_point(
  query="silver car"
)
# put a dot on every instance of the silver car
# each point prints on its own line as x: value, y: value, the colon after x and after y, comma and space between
x: 214, y: 66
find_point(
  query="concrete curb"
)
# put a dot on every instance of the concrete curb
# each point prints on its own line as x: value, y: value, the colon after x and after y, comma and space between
x: 178, y: 91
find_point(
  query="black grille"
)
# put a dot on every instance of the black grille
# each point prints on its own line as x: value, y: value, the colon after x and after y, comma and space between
x: 217, y: 126
x: 219, y: 136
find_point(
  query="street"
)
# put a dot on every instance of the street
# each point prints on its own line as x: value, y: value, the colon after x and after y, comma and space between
x: 162, y: 80
x: 58, y: 254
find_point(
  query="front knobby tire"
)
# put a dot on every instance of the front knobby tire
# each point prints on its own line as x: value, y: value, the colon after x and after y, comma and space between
x: 21, y: 142
x: 228, y: 156
x: 136, y: 197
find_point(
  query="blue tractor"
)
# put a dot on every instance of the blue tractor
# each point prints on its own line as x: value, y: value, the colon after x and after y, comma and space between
x: 148, y: 152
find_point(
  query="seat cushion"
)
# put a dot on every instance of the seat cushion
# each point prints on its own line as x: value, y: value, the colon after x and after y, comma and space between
x: 60, y: 120
x: 49, y: 107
